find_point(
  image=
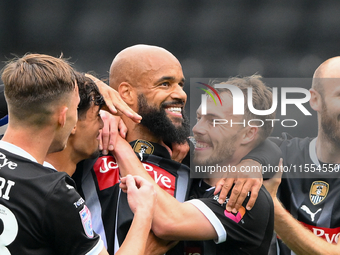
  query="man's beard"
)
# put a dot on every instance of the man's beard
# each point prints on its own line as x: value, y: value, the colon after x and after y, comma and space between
x: 330, y: 125
x: 157, y: 121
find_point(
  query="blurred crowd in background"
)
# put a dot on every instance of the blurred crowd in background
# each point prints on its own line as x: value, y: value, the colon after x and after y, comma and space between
x: 274, y: 38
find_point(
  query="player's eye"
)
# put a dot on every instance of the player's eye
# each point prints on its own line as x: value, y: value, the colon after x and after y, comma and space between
x: 165, y: 84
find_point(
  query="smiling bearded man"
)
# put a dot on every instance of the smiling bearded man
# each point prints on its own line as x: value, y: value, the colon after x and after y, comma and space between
x: 150, y: 80
x: 156, y: 120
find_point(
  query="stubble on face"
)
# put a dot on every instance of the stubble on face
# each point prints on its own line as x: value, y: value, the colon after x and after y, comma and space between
x: 330, y: 125
x: 221, y: 152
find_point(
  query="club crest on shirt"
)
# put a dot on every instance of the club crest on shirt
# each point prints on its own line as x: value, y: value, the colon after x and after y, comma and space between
x: 318, y: 192
x: 142, y: 146
x: 85, y: 216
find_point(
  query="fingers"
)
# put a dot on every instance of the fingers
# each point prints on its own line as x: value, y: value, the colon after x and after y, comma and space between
x: 135, y: 180
x: 219, y: 185
x: 235, y: 193
x: 113, y: 125
x: 113, y: 132
x: 123, y: 185
x: 113, y: 100
x: 100, y: 138
x: 242, y: 196
x: 105, y: 132
x: 240, y: 192
x: 140, y: 181
x: 130, y: 183
x: 253, y: 196
x: 228, y: 183
x: 141, y: 195
x: 122, y: 128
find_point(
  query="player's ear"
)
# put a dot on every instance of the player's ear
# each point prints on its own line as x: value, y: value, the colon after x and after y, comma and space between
x: 127, y: 93
x: 315, y: 100
x: 62, y: 116
x: 249, y: 134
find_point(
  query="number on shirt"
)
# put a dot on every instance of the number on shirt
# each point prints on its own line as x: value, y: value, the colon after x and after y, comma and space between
x: 10, y: 229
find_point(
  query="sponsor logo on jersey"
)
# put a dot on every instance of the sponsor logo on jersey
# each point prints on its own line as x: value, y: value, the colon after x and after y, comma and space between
x: 5, y: 162
x: 142, y: 147
x: 309, y: 212
x: 236, y: 217
x: 110, y: 177
x: 318, y: 192
x: 85, y: 216
x: 107, y: 172
x: 106, y: 163
x: 331, y: 235
x: 163, y: 178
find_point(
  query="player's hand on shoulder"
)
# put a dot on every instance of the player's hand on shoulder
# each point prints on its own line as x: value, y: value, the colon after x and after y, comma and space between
x: 245, y: 182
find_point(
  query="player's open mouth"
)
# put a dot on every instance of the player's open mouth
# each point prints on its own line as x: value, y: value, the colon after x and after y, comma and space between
x: 176, y: 111
x: 201, y: 145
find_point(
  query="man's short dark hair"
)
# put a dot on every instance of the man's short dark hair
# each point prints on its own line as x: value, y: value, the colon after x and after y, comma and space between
x: 88, y: 93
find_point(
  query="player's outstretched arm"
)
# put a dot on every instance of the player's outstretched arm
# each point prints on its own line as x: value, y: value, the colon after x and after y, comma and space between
x: 113, y: 100
x: 172, y: 220
x: 298, y: 238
